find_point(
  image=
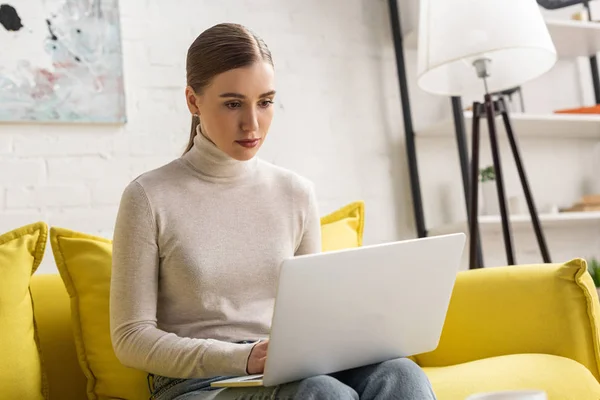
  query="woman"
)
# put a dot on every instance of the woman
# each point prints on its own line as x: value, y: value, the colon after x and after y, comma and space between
x: 198, y: 243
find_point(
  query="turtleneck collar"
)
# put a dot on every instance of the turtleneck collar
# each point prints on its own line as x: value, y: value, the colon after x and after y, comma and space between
x: 214, y: 164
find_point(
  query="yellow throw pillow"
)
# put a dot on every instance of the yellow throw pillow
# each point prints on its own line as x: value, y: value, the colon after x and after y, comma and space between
x: 343, y: 229
x: 21, y: 371
x: 84, y: 263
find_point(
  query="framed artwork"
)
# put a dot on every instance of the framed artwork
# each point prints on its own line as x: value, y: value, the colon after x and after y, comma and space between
x: 61, y: 61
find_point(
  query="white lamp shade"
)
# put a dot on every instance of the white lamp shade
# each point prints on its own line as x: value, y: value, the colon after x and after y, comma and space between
x: 454, y: 33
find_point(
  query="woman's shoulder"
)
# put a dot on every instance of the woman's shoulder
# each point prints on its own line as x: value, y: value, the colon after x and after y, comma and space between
x: 286, y: 178
x: 156, y: 178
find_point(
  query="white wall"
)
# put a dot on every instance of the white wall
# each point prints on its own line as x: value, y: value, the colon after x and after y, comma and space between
x: 338, y: 122
x: 338, y: 118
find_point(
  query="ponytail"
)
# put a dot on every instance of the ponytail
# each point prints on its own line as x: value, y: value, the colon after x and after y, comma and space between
x: 193, y: 132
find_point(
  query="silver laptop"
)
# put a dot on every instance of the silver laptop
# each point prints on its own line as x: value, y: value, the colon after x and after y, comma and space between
x: 345, y: 309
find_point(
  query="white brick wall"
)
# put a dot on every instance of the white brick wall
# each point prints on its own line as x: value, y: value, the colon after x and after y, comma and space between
x: 338, y: 118
x: 19, y: 172
x: 5, y: 144
x: 48, y: 196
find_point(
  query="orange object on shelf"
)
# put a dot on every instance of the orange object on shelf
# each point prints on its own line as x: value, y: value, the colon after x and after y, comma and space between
x: 591, y: 199
x: 580, y: 110
x: 590, y: 202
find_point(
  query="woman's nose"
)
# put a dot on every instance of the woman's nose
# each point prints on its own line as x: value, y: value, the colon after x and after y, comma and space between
x: 250, y: 121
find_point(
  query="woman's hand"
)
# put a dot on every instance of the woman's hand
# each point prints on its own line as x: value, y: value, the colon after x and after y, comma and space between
x: 258, y: 357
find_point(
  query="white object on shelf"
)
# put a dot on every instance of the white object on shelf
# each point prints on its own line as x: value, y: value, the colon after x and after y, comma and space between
x: 572, y: 126
x: 514, y: 205
x: 490, y: 198
x: 571, y: 38
x: 491, y: 223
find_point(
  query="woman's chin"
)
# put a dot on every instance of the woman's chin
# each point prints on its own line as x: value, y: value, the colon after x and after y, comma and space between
x: 244, y: 154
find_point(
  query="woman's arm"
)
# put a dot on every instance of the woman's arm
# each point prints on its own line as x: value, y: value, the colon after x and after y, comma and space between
x: 311, y: 235
x: 137, y: 341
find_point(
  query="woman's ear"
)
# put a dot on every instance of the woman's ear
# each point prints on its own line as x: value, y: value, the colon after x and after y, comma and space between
x: 192, y: 100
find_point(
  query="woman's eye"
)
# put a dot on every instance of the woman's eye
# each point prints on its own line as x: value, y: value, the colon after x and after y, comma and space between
x: 234, y: 104
x: 266, y: 103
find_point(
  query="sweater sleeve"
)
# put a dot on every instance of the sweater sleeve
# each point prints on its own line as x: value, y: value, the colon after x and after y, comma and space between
x: 310, y: 242
x: 137, y: 341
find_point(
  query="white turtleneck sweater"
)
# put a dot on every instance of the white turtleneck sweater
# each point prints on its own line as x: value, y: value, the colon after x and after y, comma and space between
x: 197, y: 249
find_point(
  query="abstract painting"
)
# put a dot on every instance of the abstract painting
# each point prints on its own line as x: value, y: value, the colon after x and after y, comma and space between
x: 61, y: 61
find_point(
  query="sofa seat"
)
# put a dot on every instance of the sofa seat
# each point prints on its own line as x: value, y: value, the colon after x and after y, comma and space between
x: 560, y: 377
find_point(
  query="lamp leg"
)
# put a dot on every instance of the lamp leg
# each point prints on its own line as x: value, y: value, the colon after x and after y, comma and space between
x: 490, y: 113
x: 463, y: 156
x: 474, y: 261
x: 525, y: 184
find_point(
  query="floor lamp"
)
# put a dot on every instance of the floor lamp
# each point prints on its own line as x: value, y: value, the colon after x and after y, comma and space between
x: 474, y: 47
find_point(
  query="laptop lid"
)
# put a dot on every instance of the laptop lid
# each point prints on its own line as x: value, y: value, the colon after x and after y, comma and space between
x: 343, y: 309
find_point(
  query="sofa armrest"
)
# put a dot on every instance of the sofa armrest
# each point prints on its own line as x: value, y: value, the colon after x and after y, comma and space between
x: 548, y: 309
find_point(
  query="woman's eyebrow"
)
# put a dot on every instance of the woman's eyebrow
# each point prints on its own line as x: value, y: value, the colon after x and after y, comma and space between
x: 241, y: 96
x: 270, y: 93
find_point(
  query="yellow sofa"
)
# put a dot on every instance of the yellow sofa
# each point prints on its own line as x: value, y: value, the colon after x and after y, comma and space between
x: 532, y: 326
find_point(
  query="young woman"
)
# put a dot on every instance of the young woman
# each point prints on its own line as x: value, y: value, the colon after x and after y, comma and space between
x: 198, y: 243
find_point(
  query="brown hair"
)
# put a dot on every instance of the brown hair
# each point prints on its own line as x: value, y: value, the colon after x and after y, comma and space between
x: 218, y: 49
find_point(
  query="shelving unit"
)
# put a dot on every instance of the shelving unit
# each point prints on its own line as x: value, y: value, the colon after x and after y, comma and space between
x: 568, y: 126
x: 571, y: 38
x: 492, y: 223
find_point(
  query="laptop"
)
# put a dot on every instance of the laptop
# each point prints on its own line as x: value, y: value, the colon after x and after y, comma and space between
x: 350, y: 308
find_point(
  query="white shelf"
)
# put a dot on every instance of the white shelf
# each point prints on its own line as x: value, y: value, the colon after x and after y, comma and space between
x: 575, y: 38
x: 580, y: 126
x: 571, y: 38
x: 492, y: 223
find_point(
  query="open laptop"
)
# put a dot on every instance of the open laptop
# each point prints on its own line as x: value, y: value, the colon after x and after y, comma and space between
x: 349, y: 308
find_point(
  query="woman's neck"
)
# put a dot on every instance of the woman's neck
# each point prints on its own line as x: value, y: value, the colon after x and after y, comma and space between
x: 213, y: 163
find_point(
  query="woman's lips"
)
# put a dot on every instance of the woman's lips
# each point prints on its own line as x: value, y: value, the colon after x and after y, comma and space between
x: 248, y: 143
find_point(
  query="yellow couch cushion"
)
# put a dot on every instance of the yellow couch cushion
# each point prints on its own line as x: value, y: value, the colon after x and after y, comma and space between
x: 84, y: 263
x: 343, y: 228
x: 53, y: 319
x: 544, y: 309
x: 21, y: 372
x: 561, y: 378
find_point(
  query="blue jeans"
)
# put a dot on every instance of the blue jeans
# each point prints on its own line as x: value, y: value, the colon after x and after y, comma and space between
x: 396, y: 379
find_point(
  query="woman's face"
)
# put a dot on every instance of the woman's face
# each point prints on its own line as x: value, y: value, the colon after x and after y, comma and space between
x: 236, y: 109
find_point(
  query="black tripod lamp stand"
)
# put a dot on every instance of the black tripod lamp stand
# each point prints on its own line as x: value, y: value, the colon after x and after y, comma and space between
x: 489, y: 109
x: 464, y: 47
